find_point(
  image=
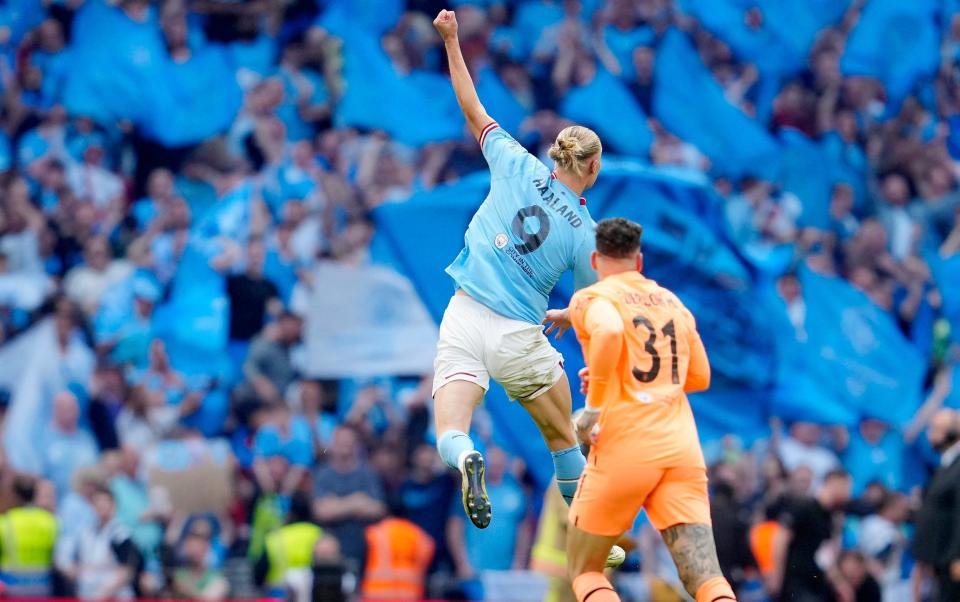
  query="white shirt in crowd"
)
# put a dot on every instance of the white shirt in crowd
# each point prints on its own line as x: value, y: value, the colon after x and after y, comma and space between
x: 819, y: 460
x: 881, y: 540
x: 86, y: 286
x: 93, y: 552
x: 22, y: 250
x: 94, y: 183
x: 901, y: 232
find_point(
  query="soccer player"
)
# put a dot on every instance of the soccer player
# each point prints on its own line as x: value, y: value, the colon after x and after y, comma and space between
x: 643, y: 355
x: 532, y: 227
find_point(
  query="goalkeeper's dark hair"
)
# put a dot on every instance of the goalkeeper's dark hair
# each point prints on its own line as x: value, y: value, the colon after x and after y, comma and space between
x: 618, y: 237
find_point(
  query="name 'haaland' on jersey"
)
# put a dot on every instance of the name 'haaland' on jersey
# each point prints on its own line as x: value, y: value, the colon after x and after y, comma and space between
x: 553, y: 201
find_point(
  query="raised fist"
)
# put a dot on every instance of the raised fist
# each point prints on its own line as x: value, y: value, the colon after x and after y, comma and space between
x: 446, y: 24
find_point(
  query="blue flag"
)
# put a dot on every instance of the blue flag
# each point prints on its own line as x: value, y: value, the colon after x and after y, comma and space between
x: 414, y: 111
x: 896, y: 42
x: 849, y: 359
x: 946, y: 273
x: 606, y: 105
x: 691, y: 104
x: 805, y: 171
x: 499, y: 101
x: 134, y: 78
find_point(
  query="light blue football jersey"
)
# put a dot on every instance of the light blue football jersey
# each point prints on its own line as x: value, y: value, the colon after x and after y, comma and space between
x: 529, y: 230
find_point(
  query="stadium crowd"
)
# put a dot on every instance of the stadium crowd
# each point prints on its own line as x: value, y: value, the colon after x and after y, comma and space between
x: 101, y: 219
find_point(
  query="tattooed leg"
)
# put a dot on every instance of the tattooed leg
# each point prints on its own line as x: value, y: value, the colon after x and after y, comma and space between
x: 695, y: 554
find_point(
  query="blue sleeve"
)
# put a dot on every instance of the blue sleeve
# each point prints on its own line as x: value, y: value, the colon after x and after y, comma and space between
x: 266, y: 443
x: 504, y: 155
x: 300, y: 448
x: 583, y: 273
x: 299, y: 452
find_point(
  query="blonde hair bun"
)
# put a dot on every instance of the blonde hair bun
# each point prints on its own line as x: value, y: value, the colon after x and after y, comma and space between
x: 573, y: 147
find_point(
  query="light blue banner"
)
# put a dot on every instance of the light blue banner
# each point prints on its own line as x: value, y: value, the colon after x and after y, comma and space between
x: 848, y: 359
x: 692, y: 105
x: 413, y: 110
x: 896, y: 42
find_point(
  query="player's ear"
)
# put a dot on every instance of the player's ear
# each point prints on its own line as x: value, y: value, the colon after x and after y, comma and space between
x: 593, y: 260
x: 639, y: 261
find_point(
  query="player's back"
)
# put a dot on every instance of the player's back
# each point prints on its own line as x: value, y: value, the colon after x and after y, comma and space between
x: 530, y: 230
x: 662, y: 358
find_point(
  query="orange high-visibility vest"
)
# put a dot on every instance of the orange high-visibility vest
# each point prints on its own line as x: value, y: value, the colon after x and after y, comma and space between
x: 398, y: 556
x: 761, y: 543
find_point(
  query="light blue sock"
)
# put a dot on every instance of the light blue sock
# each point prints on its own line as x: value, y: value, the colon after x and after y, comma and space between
x: 451, y: 444
x: 568, y: 464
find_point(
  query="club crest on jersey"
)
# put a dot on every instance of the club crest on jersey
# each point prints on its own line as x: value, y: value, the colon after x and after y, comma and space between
x: 501, y: 241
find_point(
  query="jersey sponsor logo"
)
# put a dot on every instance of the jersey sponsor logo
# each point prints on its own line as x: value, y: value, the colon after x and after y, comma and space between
x: 500, y: 241
x: 515, y: 255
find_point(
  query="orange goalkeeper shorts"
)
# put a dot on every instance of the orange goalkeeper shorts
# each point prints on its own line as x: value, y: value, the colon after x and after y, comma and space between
x: 610, y: 496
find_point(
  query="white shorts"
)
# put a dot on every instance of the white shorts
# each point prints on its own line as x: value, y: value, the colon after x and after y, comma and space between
x: 477, y: 344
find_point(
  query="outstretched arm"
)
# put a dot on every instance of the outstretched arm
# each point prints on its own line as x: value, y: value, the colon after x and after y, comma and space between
x: 601, y: 323
x: 473, y: 111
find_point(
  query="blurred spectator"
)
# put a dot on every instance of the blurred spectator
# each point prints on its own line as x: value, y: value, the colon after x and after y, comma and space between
x: 287, y: 436
x: 289, y: 549
x: 160, y: 377
x: 268, y: 368
x: 399, y: 553
x: 132, y: 499
x: 853, y: 570
x: 108, y: 393
x: 788, y: 287
x: 347, y: 495
x: 67, y: 446
x: 306, y: 99
x: 130, y: 344
x: 874, y: 453
x: 387, y: 462
x: 895, y: 215
x: 731, y: 528
x: 501, y: 549
x: 883, y: 541
x: 330, y: 579
x: 19, y: 229
x: 425, y: 495
x: 251, y: 296
x: 742, y: 210
x: 937, y: 536
x: 147, y: 418
x: 103, y: 561
x: 549, y: 553
x: 28, y: 533
x: 807, y: 547
x: 160, y: 192
x: 92, y: 182
x: 802, y: 447
x: 85, y: 284
x: 195, y: 579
